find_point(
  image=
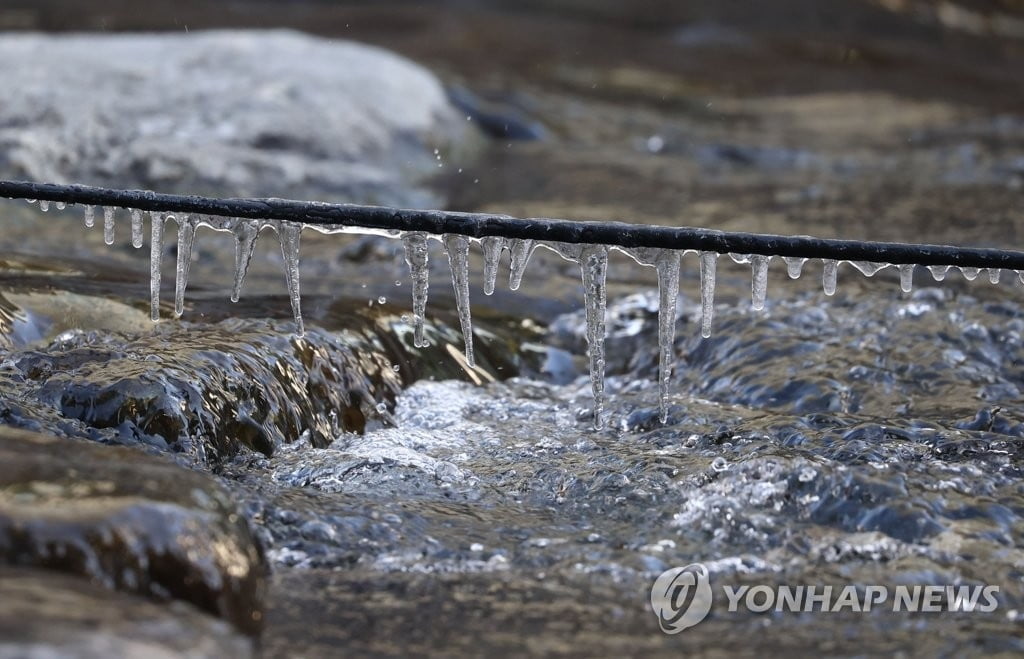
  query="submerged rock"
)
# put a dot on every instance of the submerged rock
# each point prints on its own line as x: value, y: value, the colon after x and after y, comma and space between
x: 272, y: 113
x: 128, y: 522
x: 47, y: 614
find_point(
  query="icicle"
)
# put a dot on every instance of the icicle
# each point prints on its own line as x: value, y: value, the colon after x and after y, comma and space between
x: 521, y: 250
x: 708, y: 264
x: 594, y: 267
x: 493, y: 246
x: 970, y: 274
x: 136, y: 228
x: 60, y: 205
x: 108, y: 225
x: 416, y: 255
x: 759, y: 284
x: 993, y: 275
x: 457, y: 248
x: 44, y: 205
x: 828, y: 276
x: 668, y: 291
x: 290, y: 233
x: 906, y: 277
x: 794, y: 265
x: 90, y: 216
x: 156, y: 255
x: 186, y: 233
x: 1020, y: 276
x: 938, y: 271
x: 245, y: 244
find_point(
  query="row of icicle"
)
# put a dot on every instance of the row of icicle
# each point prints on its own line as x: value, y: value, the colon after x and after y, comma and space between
x: 592, y: 259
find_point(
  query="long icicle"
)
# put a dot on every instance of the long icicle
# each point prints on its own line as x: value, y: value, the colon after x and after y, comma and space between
x: 290, y: 233
x: 759, y: 284
x: 708, y: 265
x: 417, y: 256
x: 520, y: 252
x: 245, y: 244
x: 594, y: 269
x: 156, y: 259
x: 457, y: 248
x: 186, y: 234
x: 493, y: 246
x: 136, y: 228
x: 828, y: 276
x: 668, y: 290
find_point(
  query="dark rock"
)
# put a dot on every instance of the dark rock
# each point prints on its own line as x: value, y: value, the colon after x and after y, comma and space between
x: 47, y: 614
x: 128, y: 522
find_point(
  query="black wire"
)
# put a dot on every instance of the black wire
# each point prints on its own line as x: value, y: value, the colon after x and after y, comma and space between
x: 479, y: 225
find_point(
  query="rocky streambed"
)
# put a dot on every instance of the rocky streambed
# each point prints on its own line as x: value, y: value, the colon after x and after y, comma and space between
x: 217, y: 486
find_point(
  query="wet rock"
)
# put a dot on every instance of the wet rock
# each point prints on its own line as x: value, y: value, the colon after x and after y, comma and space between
x: 128, y: 522
x: 258, y: 113
x: 48, y: 614
x: 205, y: 392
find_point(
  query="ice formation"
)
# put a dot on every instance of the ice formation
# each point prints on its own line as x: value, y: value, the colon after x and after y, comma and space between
x: 592, y: 260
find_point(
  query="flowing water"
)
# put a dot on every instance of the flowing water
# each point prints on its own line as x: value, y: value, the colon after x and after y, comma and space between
x: 501, y: 469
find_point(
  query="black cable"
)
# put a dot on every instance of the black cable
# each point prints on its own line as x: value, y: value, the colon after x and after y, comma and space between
x: 478, y: 225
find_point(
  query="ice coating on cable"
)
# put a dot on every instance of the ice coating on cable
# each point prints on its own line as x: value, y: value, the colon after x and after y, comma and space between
x: 416, y: 256
x: 245, y: 243
x: 108, y: 225
x: 708, y: 264
x: 457, y: 248
x: 156, y: 254
x: 290, y: 233
x: 492, y: 246
x: 828, y: 276
x: 759, y: 281
x: 186, y: 234
x: 136, y: 215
